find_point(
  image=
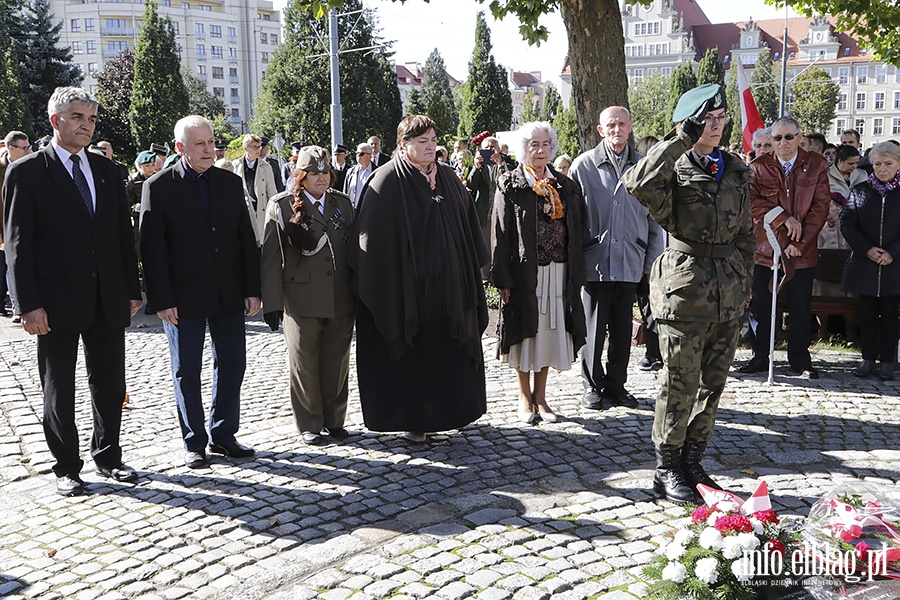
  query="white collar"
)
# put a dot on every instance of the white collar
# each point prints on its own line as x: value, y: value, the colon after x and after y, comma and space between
x: 314, y: 200
x: 788, y: 162
x: 64, y: 155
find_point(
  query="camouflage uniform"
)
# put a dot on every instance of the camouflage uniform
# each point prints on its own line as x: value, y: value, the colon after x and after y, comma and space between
x: 700, y: 285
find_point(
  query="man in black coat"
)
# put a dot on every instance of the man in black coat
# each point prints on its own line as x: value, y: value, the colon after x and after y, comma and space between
x: 201, y: 266
x: 70, y: 250
x: 273, y: 162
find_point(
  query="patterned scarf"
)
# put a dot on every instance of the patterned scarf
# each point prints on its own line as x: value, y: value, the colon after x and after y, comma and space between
x: 884, y: 187
x: 429, y: 173
x: 546, y: 189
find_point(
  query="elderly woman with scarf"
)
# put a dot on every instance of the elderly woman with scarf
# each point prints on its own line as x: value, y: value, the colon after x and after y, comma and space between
x: 537, y: 266
x: 870, y: 223
x: 416, y: 255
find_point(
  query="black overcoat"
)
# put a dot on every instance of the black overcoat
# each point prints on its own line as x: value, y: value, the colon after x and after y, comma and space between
x: 869, y: 220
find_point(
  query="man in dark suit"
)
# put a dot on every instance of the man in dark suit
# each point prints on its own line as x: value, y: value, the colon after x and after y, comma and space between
x: 201, y: 265
x: 378, y: 157
x: 273, y: 162
x: 70, y: 250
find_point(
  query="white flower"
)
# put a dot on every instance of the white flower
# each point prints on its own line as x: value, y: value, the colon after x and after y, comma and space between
x: 674, y: 571
x: 711, y: 519
x: 663, y: 544
x: 758, y: 527
x: 743, y: 569
x: 748, y: 541
x: 727, y: 506
x: 683, y: 536
x: 711, y: 538
x: 731, y: 547
x: 705, y: 570
x: 674, y: 551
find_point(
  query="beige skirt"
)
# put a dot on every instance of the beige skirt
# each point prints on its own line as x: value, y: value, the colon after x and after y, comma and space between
x: 552, y: 346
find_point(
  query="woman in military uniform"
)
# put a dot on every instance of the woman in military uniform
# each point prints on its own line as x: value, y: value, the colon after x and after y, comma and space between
x: 700, y: 285
x: 305, y: 279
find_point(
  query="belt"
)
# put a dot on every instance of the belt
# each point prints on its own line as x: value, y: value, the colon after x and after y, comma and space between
x: 701, y: 248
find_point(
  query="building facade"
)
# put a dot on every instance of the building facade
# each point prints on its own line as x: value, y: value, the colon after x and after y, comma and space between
x: 226, y: 43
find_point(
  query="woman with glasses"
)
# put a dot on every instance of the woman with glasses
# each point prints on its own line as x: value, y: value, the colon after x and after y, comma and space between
x: 699, y: 286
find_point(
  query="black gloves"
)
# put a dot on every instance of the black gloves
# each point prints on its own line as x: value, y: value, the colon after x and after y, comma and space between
x: 694, y: 125
x: 273, y: 319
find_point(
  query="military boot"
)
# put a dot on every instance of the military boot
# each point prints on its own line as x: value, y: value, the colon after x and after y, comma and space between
x: 693, y: 470
x: 669, y: 481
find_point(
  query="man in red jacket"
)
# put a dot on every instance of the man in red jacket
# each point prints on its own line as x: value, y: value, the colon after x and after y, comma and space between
x: 796, y: 182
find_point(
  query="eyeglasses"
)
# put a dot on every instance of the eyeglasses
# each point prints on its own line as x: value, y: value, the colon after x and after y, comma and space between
x: 788, y: 136
x: 253, y: 147
x: 363, y: 153
x: 19, y: 147
x: 713, y: 120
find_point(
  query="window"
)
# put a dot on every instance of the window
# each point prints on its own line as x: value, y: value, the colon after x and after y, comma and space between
x: 198, y: 31
x: 667, y: 71
x: 115, y: 48
x: 167, y: 2
x: 267, y: 17
x: 895, y: 129
x: 879, y: 100
x: 218, y: 73
x: 89, y: 25
x: 860, y: 126
x: 186, y: 5
x: 235, y: 113
x: 274, y: 39
x: 265, y: 57
x: 175, y: 27
x: 91, y: 47
x: 232, y: 36
x: 234, y: 93
x: 263, y: 37
x: 878, y: 126
x: 847, y: 51
x: 896, y: 100
x: 861, y: 101
x: 215, y: 31
x: 76, y: 25
x: 92, y: 68
x: 839, y: 127
x: 777, y: 55
x: 842, y: 102
x: 77, y: 48
x: 844, y: 75
x: 219, y: 91
x: 201, y: 52
x: 862, y: 75
x: 827, y: 70
x: 638, y: 74
x: 201, y: 69
x: 206, y: 7
x: 647, y: 28
x: 881, y: 74
x: 232, y: 72
x: 216, y: 51
x: 232, y: 53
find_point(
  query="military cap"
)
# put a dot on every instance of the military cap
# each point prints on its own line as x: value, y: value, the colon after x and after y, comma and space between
x: 297, y: 145
x: 173, y: 158
x: 340, y: 149
x: 146, y: 157
x: 221, y: 145
x: 264, y: 142
x: 159, y: 149
x: 712, y: 95
x: 44, y: 141
x: 312, y: 159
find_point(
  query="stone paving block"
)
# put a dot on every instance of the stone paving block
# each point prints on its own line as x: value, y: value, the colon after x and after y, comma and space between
x: 494, y: 594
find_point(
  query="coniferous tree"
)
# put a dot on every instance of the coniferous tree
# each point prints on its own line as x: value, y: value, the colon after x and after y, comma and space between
x: 683, y: 79
x: 710, y: 69
x: 487, y: 103
x: 764, y: 87
x: 530, y: 110
x: 648, y: 101
x: 552, y: 104
x: 438, y: 98
x: 566, y: 126
x: 200, y: 100
x: 114, y: 85
x: 13, y: 109
x: 159, y: 97
x: 414, y: 103
x: 734, y: 130
x: 295, y: 97
x: 43, y: 64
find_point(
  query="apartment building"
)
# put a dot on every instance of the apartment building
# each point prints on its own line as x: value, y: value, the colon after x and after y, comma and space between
x: 226, y: 43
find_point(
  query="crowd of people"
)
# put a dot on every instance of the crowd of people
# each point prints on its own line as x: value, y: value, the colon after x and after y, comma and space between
x: 398, y: 249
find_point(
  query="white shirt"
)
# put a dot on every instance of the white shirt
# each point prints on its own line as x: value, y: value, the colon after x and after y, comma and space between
x: 65, y: 157
x: 787, y: 162
x: 318, y: 203
x: 361, y: 176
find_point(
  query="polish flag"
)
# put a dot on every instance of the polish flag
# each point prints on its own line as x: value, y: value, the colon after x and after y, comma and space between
x: 750, y: 119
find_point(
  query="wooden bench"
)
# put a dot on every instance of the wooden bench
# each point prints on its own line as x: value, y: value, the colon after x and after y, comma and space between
x: 830, y: 269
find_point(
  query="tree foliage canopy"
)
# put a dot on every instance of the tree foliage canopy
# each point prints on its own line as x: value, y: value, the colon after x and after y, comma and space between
x: 159, y: 97
x: 765, y: 89
x: 200, y: 100
x: 114, y: 84
x: 437, y: 98
x: 683, y: 79
x: 295, y: 97
x: 710, y: 69
x: 552, y: 104
x: 815, y: 98
x: 487, y: 103
x: 648, y: 100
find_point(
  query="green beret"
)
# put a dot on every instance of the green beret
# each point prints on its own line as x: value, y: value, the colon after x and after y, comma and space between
x: 171, y: 160
x: 312, y: 159
x: 691, y: 101
x: 146, y: 157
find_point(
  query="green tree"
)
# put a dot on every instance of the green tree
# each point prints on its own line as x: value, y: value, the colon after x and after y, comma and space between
x: 765, y: 89
x: 114, y: 85
x: 734, y: 130
x: 552, y: 103
x: 530, y: 109
x: 200, y: 100
x: 414, y: 103
x: 437, y: 97
x: 13, y: 111
x: 159, y: 97
x: 295, y: 97
x: 710, y: 69
x: 683, y: 79
x: 814, y: 100
x: 224, y: 130
x: 566, y: 126
x: 43, y: 64
x: 487, y: 103
x: 648, y: 100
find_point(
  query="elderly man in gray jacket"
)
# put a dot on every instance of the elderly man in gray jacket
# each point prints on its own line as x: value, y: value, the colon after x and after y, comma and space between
x: 621, y: 241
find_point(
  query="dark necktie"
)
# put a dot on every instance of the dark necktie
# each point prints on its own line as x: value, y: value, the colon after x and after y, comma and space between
x: 82, y: 184
x: 319, y: 207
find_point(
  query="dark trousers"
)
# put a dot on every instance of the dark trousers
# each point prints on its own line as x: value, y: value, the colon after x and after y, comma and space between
x: 104, y: 357
x: 878, y: 326
x: 651, y: 340
x: 607, y: 309
x: 228, y: 345
x: 798, y: 293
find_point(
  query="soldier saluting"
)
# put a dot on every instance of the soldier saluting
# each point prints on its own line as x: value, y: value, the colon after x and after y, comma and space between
x: 699, y: 287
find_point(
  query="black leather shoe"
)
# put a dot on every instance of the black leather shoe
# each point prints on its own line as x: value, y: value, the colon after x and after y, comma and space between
x: 754, y: 365
x: 338, y: 433
x: 195, y: 460
x: 887, y: 372
x: 69, y: 485
x: 232, y: 449
x: 620, y: 397
x: 669, y: 481
x: 649, y: 364
x: 311, y: 438
x: 120, y: 472
x: 592, y: 400
x: 809, y: 373
x: 865, y: 368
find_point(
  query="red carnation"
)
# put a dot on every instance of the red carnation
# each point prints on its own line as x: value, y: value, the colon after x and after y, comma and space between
x: 862, y: 551
x: 775, y: 547
x: 701, y: 513
x: 714, y: 168
x: 766, y: 517
x: 733, y: 523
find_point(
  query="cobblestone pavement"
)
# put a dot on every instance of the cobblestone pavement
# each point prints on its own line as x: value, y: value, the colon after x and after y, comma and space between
x: 496, y: 510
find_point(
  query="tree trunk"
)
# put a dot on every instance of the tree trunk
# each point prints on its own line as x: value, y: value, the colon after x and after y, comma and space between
x: 596, y: 60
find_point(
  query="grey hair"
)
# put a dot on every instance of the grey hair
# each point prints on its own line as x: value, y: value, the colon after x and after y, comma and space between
x: 64, y: 96
x: 561, y: 159
x: 190, y: 122
x: 765, y: 132
x: 787, y: 121
x: 526, y: 133
x: 607, y: 110
x: 889, y: 149
x: 15, y: 136
x: 365, y: 147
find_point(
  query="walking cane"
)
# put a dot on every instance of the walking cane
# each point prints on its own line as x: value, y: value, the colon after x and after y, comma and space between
x: 776, y: 258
